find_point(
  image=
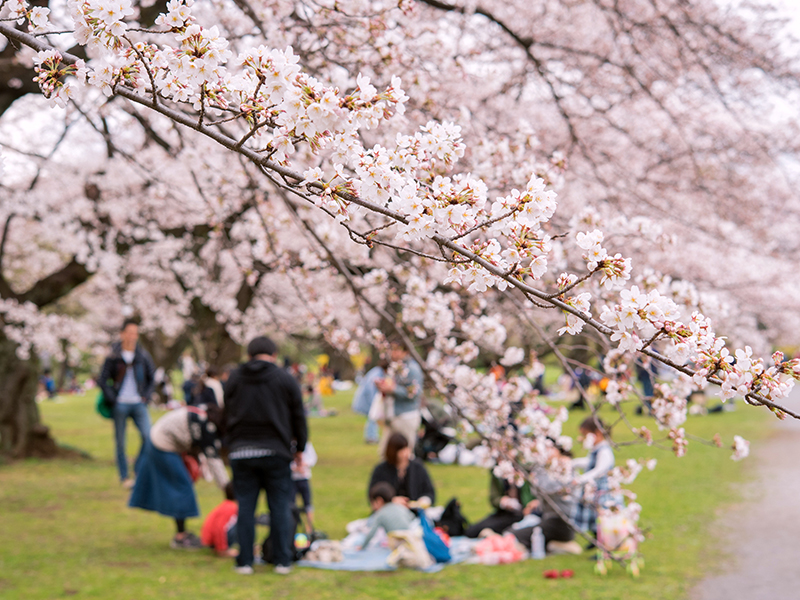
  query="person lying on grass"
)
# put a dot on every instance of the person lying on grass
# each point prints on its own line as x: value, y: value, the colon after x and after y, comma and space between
x: 391, y: 516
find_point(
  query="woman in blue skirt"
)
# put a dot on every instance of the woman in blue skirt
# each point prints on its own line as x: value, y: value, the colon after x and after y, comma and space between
x: 163, y: 483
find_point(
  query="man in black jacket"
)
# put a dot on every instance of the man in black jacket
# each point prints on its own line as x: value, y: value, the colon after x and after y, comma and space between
x: 264, y: 416
x: 127, y: 379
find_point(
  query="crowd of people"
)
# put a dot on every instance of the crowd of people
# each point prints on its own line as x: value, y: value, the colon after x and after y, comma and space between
x: 252, y: 418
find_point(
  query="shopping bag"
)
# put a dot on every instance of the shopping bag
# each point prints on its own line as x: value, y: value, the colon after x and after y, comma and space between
x: 433, y: 542
x: 103, y: 407
x: 382, y: 409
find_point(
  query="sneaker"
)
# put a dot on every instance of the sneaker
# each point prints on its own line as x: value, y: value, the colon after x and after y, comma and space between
x: 283, y: 569
x: 572, y: 547
x: 245, y: 570
x: 188, y: 542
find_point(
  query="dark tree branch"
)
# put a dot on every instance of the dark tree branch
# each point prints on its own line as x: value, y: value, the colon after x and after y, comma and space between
x: 56, y: 285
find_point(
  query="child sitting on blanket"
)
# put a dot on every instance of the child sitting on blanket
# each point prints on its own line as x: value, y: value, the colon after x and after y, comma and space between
x: 387, y: 514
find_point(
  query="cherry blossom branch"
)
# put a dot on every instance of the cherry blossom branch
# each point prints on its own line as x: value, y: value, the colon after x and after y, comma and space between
x: 332, y: 257
x: 237, y: 146
x: 564, y: 364
x: 146, y: 66
x: 521, y: 469
x: 289, y: 175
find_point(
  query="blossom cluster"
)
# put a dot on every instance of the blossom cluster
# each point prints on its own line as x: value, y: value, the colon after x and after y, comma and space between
x: 50, y: 74
x: 36, y: 333
x: 403, y: 189
x: 616, y: 270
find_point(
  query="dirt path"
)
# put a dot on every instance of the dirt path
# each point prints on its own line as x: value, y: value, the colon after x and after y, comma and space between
x: 761, y: 534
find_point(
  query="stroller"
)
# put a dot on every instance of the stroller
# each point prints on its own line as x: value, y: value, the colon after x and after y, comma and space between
x: 301, y: 543
x: 437, y: 433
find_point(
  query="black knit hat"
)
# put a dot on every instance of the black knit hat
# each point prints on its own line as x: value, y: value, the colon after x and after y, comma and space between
x: 261, y: 345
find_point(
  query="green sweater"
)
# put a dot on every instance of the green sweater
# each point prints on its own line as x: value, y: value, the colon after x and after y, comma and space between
x: 498, y: 488
x: 392, y: 517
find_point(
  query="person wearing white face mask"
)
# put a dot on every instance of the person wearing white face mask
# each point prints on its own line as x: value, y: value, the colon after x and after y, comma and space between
x: 594, y: 479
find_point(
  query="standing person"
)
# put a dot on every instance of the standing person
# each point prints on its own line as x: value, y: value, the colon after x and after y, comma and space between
x: 301, y: 478
x: 365, y: 394
x: 264, y: 413
x: 209, y: 389
x: 163, y: 386
x: 405, y: 391
x: 49, y: 384
x: 189, y: 370
x: 127, y: 380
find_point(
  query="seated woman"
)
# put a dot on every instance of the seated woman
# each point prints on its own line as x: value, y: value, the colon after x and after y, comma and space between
x: 408, y: 477
x: 163, y: 483
x: 510, y: 503
x: 558, y: 535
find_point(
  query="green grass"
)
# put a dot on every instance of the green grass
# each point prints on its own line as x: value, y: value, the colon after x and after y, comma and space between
x: 65, y: 529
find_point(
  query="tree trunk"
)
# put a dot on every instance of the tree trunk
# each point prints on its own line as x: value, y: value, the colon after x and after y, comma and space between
x: 165, y: 351
x: 22, y: 433
x: 218, y: 346
x: 61, y: 382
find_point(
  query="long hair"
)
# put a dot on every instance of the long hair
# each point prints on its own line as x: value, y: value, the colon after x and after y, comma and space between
x: 396, y: 442
x: 595, y: 425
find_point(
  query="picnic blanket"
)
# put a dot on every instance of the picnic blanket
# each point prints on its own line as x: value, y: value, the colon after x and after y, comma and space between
x: 461, y: 550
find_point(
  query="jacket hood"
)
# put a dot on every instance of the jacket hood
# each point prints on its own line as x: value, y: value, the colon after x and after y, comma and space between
x: 258, y: 369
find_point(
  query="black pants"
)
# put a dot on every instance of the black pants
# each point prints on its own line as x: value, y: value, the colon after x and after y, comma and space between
x: 273, y: 475
x: 553, y: 527
x: 498, y: 522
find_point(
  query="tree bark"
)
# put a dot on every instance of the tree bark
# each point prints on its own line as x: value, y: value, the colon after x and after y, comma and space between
x: 218, y: 346
x: 21, y: 432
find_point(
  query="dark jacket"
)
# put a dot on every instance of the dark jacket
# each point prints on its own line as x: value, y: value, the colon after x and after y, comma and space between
x: 417, y: 481
x: 114, y: 368
x: 264, y: 409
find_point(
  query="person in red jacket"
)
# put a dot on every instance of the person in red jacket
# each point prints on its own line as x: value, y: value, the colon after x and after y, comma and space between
x: 219, y: 528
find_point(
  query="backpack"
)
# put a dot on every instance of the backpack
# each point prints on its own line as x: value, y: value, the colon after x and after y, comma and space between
x: 452, y: 521
x: 296, y: 553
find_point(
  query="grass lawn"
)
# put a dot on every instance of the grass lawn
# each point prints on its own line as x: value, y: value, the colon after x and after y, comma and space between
x: 65, y: 529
